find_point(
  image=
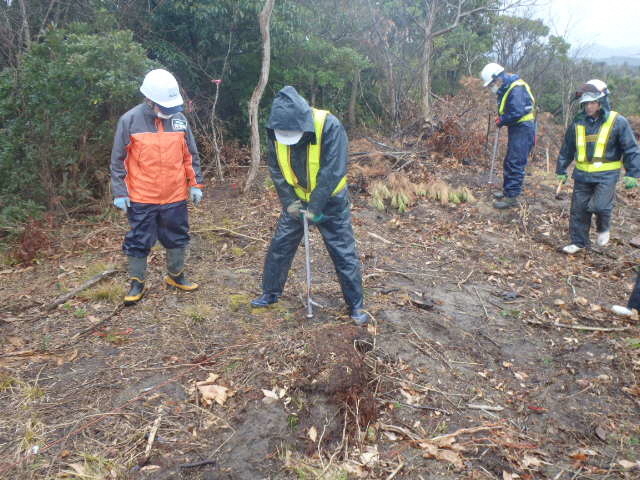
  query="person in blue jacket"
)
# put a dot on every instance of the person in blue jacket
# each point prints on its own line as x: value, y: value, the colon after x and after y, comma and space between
x: 516, y: 110
x: 601, y: 142
x: 307, y: 160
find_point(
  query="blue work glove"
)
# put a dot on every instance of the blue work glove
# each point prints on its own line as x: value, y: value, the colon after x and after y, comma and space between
x: 122, y: 203
x: 561, y: 177
x: 313, y: 217
x: 630, y: 182
x: 196, y: 195
x: 294, y: 208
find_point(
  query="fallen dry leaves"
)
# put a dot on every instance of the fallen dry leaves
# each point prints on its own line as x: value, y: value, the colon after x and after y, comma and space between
x: 211, y: 392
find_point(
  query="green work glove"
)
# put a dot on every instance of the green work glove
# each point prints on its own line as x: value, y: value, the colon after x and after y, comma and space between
x: 313, y: 217
x: 294, y: 208
x: 561, y: 177
x: 630, y: 182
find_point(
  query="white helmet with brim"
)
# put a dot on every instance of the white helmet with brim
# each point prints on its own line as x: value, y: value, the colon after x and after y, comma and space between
x: 288, y: 137
x: 490, y: 72
x: 161, y: 87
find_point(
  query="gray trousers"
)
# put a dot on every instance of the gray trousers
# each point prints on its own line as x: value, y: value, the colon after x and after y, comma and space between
x: 591, y: 198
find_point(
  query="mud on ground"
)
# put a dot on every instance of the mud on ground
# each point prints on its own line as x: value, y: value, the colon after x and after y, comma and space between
x: 489, y: 355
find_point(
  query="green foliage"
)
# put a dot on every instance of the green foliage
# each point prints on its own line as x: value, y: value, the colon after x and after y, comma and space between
x: 58, y: 111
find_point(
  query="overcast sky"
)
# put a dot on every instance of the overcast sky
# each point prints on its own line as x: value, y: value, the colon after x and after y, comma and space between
x: 613, y: 23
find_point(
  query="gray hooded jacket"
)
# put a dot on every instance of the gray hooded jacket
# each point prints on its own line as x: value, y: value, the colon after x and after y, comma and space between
x: 290, y: 111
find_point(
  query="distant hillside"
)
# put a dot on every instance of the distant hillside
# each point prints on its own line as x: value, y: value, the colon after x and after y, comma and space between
x: 631, y: 61
x: 612, y: 55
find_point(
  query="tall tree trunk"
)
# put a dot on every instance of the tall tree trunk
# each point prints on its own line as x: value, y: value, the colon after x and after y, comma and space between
x: 393, y: 98
x: 254, y: 103
x: 351, y: 115
x: 427, y: 53
x: 26, y: 31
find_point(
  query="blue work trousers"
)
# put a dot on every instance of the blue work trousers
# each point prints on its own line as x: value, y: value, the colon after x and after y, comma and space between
x: 150, y: 222
x: 521, y: 139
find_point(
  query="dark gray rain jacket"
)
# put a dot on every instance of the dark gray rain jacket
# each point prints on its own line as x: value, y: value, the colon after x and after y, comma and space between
x: 290, y: 111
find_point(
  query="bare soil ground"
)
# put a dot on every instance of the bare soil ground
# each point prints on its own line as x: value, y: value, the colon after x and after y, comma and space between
x: 490, y: 354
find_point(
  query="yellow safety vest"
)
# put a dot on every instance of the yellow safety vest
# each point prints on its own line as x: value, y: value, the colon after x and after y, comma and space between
x: 529, y: 116
x: 599, y: 161
x: 283, y: 153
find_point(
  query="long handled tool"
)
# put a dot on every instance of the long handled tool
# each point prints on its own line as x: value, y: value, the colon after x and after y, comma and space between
x: 559, y: 189
x: 493, y: 156
x: 307, y: 264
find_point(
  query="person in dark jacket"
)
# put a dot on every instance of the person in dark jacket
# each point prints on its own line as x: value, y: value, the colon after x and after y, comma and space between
x: 307, y: 161
x: 601, y: 141
x: 516, y: 110
x: 155, y: 168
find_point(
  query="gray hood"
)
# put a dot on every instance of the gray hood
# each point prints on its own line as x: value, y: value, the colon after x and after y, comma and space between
x: 290, y: 111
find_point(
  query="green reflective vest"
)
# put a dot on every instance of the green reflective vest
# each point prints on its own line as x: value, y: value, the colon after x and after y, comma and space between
x: 599, y: 161
x: 283, y: 153
x: 529, y: 116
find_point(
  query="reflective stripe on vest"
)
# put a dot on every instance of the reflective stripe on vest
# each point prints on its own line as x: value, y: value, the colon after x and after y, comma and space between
x: 599, y: 162
x: 503, y: 103
x: 283, y: 153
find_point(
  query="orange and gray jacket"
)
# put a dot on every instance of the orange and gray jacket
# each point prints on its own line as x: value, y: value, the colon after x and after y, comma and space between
x: 154, y: 160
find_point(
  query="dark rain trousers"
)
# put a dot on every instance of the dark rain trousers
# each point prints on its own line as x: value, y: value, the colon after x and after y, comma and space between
x: 337, y: 233
x: 634, y: 299
x: 521, y: 140
x: 149, y: 222
x: 593, y: 197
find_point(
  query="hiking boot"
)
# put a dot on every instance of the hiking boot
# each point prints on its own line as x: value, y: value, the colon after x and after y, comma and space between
x: 181, y: 282
x: 571, y: 249
x: 498, y: 195
x: 507, y: 202
x: 135, y: 293
x: 603, y: 238
x: 359, y: 316
x: 264, y: 300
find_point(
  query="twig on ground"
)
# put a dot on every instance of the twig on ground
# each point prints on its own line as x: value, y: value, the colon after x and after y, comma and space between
x: 418, y: 407
x: 84, y: 286
x: 591, y: 329
x: 488, y: 408
x: 395, y: 471
x: 378, y: 237
x: 486, y: 314
x: 232, y: 232
x: 463, y: 431
x: 462, y: 282
x: 152, y: 436
x: 201, y: 463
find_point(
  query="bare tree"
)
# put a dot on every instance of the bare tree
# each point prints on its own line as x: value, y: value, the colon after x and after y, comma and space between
x: 443, y: 16
x: 254, y: 103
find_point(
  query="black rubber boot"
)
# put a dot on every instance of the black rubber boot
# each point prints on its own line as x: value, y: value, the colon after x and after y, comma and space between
x: 507, y: 202
x: 175, y: 263
x: 135, y: 293
x: 137, y: 267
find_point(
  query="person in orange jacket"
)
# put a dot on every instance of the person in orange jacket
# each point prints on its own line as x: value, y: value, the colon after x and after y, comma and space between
x: 155, y: 168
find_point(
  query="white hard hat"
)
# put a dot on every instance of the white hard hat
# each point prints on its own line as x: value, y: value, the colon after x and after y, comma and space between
x: 600, y: 85
x: 591, y: 96
x: 288, y: 137
x: 162, y: 88
x: 490, y: 72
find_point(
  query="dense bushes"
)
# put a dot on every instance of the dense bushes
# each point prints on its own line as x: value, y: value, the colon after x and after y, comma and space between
x: 58, y: 112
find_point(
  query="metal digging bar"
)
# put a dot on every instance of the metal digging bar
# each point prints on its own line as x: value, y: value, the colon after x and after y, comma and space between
x: 493, y: 156
x: 307, y: 263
